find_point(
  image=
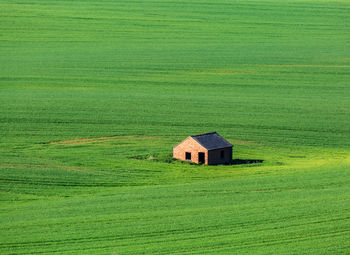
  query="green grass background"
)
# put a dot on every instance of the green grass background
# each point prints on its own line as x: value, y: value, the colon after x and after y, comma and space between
x: 92, y: 91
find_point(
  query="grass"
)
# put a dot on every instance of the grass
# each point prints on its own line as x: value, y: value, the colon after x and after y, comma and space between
x: 94, y: 95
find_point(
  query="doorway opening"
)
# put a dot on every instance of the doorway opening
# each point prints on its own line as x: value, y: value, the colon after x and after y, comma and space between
x: 201, y: 157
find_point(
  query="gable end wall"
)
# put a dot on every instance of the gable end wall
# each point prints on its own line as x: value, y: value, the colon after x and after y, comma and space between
x: 189, y: 145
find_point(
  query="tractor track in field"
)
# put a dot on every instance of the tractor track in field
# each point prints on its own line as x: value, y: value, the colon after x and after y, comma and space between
x: 44, y: 167
x: 296, y: 65
x: 99, y: 139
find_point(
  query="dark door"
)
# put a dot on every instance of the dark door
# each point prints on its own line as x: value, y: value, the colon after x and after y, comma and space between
x: 201, y: 157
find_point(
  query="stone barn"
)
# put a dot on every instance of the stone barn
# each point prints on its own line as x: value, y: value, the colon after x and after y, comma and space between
x: 209, y: 149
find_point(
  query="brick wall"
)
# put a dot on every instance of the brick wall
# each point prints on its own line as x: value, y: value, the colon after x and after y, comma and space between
x: 215, y: 156
x: 189, y: 145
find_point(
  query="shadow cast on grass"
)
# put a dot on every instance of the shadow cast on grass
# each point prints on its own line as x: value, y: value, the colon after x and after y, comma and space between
x: 245, y: 161
x: 168, y: 158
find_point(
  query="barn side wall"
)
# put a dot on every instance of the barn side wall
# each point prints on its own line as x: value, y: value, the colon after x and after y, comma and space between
x: 189, y: 145
x: 215, y: 156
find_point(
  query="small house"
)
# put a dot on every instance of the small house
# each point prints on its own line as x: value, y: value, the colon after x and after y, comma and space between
x: 209, y: 149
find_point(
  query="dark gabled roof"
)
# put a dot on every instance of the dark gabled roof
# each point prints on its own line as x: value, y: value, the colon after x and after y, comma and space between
x: 211, y: 141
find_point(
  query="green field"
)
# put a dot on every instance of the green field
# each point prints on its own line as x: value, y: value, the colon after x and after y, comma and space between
x: 94, y: 95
